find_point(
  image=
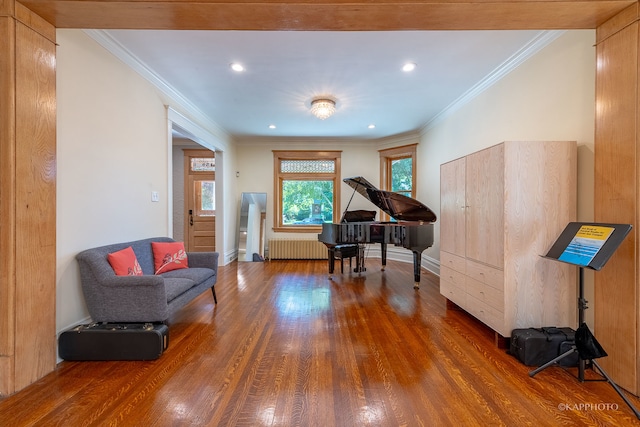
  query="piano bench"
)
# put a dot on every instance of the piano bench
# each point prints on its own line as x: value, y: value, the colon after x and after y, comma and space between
x: 345, y: 251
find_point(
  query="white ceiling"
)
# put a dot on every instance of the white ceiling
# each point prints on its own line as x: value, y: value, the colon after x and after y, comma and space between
x: 362, y: 70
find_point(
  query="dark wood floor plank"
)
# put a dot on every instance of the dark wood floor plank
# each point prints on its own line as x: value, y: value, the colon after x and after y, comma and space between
x: 287, y: 346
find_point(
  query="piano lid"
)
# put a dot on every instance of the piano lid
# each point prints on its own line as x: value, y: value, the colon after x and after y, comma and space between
x: 397, y: 206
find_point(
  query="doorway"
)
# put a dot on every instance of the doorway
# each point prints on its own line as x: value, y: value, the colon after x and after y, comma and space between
x: 199, y: 200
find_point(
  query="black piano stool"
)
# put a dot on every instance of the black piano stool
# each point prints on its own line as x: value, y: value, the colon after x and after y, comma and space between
x: 345, y: 251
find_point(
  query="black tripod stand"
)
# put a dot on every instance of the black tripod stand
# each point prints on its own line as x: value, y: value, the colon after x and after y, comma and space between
x: 588, y: 349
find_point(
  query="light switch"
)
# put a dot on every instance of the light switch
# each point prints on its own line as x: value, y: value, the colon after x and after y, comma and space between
x: 155, y: 197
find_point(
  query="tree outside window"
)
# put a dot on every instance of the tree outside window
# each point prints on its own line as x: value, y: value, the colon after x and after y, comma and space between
x: 306, y: 189
x: 402, y: 176
x: 307, y: 202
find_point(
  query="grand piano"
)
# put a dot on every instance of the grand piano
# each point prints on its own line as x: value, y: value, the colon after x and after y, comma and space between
x: 412, y: 228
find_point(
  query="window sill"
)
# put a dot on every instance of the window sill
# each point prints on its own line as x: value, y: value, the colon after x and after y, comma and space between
x: 299, y: 229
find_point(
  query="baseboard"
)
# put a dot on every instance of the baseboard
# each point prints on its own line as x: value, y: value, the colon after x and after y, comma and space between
x: 230, y: 256
x: 403, y: 255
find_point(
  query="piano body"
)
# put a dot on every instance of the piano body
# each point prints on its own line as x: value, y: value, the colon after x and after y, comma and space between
x: 413, y: 228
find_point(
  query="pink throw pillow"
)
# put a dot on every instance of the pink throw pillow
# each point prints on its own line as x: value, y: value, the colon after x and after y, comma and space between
x: 168, y: 256
x: 125, y: 263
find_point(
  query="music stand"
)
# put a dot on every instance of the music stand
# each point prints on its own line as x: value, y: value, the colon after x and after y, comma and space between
x: 587, y: 245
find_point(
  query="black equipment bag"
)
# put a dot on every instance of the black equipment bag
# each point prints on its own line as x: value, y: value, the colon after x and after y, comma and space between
x: 571, y: 360
x: 114, y: 341
x: 537, y: 346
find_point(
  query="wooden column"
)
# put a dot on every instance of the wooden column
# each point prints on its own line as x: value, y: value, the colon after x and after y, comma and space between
x: 617, y: 305
x: 27, y: 197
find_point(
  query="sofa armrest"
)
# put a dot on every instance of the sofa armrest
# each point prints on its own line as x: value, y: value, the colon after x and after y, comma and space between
x: 127, y: 299
x: 203, y: 260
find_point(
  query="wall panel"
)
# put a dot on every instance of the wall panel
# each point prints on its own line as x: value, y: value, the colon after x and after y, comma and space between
x: 615, y: 194
x: 27, y: 198
x: 7, y: 200
x: 35, y: 206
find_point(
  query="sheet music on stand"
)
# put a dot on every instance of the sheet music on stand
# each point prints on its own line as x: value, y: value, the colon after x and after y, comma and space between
x: 588, y: 245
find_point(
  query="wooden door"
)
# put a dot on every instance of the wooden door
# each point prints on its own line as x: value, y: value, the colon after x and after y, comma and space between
x: 452, y: 207
x: 485, y: 206
x: 200, y: 208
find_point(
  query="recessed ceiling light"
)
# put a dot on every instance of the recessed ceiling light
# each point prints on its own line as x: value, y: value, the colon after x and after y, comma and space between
x: 272, y: 126
x: 409, y: 66
x: 237, y: 67
x: 371, y: 126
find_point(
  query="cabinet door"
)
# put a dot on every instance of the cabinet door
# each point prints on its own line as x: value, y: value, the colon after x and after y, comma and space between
x: 452, y: 207
x: 485, y: 206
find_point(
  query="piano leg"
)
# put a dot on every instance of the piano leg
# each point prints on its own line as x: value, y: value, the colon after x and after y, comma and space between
x: 383, y: 251
x: 332, y: 261
x: 417, y: 258
x: 360, y: 260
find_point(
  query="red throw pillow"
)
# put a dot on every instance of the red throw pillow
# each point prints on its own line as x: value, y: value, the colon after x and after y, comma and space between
x: 125, y: 263
x: 168, y: 256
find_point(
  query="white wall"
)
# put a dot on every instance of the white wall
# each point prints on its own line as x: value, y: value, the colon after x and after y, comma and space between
x: 551, y: 96
x: 112, y: 139
x: 113, y: 150
x: 227, y: 208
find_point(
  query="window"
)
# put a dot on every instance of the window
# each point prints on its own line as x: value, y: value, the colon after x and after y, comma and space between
x: 398, y: 170
x: 307, y: 189
x: 203, y: 164
x: 205, y: 193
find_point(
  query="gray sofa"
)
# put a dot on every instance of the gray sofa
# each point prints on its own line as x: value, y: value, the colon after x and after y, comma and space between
x: 147, y: 298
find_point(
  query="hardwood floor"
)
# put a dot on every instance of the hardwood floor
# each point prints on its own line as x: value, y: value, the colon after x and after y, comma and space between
x: 286, y: 346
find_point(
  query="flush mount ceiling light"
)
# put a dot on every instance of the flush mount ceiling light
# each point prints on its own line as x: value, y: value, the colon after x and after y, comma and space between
x: 409, y: 66
x: 323, y: 108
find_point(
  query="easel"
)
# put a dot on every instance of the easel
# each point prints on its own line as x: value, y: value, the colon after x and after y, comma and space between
x: 568, y: 249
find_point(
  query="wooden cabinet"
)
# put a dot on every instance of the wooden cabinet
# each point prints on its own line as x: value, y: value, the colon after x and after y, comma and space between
x: 501, y: 208
x: 484, y: 206
x: 452, y: 201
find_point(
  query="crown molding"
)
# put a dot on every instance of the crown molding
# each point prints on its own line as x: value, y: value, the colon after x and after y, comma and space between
x: 534, y: 46
x: 104, y: 39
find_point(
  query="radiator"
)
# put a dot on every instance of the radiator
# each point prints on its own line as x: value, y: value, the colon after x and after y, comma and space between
x: 296, y: 249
